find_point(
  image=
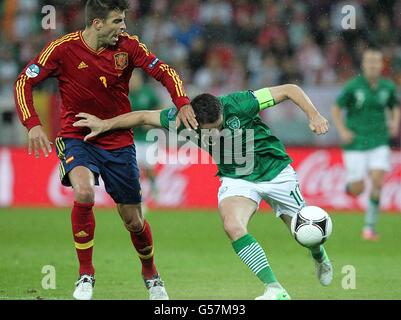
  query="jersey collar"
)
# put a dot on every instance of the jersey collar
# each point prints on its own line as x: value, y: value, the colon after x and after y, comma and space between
x: 88, y: 47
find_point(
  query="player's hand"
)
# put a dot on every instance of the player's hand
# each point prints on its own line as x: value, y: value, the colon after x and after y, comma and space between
x: 96, y: 125
x: 318, y: 124
x: 37, y: 139
x: 347, y: 136
x: 187, y: 117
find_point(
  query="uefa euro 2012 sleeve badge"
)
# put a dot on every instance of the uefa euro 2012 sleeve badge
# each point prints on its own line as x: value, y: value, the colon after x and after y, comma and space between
x: 32, y: 71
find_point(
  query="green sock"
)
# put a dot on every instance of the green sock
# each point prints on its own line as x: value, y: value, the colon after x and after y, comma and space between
x: 253, y: 255
x: 317, y: 253
x: 372, y: 213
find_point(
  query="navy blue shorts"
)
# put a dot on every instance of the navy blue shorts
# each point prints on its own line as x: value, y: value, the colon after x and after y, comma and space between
x: 118, y: 168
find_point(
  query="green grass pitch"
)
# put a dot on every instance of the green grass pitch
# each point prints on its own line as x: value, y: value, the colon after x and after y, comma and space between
x: 193, y: 255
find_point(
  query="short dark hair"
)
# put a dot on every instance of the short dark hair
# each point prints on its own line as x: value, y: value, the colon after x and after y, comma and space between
x: 100, y: 9
x: 207, y: 108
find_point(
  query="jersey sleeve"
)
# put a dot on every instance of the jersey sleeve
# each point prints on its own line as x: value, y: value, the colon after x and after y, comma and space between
x: 168, y: 118
x: 45, y: 65
x: 345, y: 97
x: 246, y: 103
x: 146, y: 60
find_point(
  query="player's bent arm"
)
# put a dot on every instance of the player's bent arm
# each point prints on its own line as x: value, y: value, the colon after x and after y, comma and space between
x: 269, y: 97
x: 133, y: 119
x: 338, y: 119
x: 124, y: 121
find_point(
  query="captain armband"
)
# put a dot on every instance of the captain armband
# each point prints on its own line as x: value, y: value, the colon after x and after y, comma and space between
x: 265, y: 98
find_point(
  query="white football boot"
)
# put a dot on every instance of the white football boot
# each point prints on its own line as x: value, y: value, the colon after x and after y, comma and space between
x: 274, y: 292
x: 156, y: 288
x: 84, y: 289
x: 324, y: 270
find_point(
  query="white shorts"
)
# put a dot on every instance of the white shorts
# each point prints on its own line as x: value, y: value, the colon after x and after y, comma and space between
x: 146, y: 154
x: 282, y: 193
x: 359, y: 163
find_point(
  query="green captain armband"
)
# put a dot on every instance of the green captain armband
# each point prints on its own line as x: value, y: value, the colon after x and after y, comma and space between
x: 265, y: 98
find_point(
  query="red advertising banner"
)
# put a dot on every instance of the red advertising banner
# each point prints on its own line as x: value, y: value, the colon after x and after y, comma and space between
x: 26, y: 181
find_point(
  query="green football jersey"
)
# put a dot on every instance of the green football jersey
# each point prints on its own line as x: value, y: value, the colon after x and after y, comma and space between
x: 144, y: 99
x: 366, y: 111
x: 241, y: 126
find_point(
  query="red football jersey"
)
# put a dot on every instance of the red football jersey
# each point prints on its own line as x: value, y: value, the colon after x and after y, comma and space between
x: 92, y: 82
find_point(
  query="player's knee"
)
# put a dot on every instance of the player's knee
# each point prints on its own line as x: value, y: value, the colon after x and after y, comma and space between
x: 134, y: 225
x: 84, y: 194
x: 378, y: 184
x: 356, y: 188
x: 234, y: 228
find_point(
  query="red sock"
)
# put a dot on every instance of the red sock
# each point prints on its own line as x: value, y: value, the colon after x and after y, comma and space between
x: 143, y: 244
x: 83, y: 228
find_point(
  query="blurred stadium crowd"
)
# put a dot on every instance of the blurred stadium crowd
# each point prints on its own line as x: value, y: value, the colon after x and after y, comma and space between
x: 216, y: 46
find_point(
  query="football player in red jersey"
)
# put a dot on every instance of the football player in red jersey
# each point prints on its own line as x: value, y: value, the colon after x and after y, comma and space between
x: 93, y: 68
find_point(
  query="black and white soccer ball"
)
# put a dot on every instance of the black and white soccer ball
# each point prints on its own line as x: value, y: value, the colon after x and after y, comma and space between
x: 311, y: 226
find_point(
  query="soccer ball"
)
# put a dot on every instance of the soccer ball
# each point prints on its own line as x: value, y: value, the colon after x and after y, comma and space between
x: 311, y: 226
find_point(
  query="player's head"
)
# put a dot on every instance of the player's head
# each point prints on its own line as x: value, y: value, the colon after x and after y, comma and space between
x: 372, y: 63
x: 107, y: 18
x: 208, y: 111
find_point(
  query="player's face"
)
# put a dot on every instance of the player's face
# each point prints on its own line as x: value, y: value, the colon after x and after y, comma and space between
x: 112, y: 27
x: 372, y: 64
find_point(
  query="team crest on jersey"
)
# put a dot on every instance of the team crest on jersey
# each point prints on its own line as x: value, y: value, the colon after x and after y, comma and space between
x: 233, y: 123
x: 121, y: 60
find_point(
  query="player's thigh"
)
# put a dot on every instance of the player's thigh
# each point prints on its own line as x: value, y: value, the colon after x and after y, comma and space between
x: 379, y: 160
x: 284, y: 193
x: 120, y: 174
x: 287, y: 220
x: 77, y: 168
x: 377, y: 177
x: 83, y: 183
x: 356, y: 165
x: 81, y: 178
x: 235, y: 212
x: 238, y: 201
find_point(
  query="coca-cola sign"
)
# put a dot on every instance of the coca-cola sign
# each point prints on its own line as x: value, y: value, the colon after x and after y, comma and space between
x: 26, y: 181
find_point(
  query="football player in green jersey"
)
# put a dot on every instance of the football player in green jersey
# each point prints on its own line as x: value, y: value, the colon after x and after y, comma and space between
x: 267, y: 175
x: 365, y: 132
x: 144, y: 97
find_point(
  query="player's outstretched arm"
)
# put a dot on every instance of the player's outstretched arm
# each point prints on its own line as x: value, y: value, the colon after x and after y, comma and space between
x: 317, y: 123
x: 124, y: 121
